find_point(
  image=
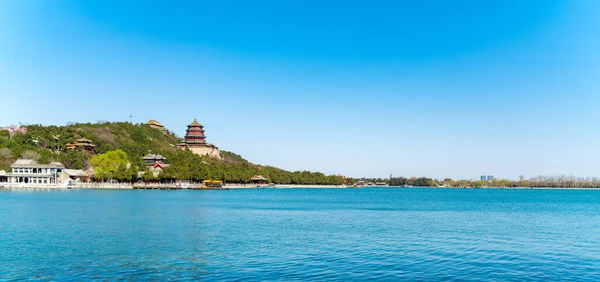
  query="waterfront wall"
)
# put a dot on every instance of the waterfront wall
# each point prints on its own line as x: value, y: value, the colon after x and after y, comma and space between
x: 93, y: 185
x: 103, y: 185
x: 247, y: 186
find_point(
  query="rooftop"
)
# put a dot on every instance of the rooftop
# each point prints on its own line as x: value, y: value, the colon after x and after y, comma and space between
x: 31, y: 163
x: 83, y: 140
x: 195, y: 123
x: 258, y: 177
x: 154, y: 122
x: 153, y: 157
x: 24, y: 162
x: 76, y: 172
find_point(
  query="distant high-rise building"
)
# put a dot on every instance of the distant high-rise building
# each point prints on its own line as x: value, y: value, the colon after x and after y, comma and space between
x: 490, y: 177
x: 483, y: 178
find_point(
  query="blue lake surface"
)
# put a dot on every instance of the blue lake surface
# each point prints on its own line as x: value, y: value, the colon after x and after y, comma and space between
x: 301, y: 234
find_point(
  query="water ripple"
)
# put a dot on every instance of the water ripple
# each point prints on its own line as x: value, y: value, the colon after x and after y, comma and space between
x: 299, y: 235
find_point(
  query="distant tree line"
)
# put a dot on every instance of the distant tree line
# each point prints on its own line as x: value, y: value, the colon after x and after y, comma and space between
x: 413, y: 181
x: 536, y: 182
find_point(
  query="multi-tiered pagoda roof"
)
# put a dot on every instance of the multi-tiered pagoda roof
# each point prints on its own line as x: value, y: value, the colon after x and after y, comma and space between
x: 195, y: 141
x: 195, y: 134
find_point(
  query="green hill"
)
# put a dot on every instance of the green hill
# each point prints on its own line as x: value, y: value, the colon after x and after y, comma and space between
x: 49, y: 143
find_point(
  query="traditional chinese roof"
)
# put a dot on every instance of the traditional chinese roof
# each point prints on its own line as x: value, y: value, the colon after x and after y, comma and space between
x: 195, y: 123
x: 258, y: 177
x: 84, y: 140
x: 154, y: 122
x: 153, y: 157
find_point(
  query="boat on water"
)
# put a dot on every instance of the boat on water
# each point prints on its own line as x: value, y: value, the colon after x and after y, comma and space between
x: 212, y: 184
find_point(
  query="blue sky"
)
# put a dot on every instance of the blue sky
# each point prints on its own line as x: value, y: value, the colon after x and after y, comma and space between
x: 362, y: 88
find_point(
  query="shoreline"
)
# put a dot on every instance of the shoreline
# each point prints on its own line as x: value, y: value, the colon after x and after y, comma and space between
x: 122, y: 186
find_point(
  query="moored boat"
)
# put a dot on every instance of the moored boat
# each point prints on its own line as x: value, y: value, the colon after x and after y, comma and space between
x: 212, y: 184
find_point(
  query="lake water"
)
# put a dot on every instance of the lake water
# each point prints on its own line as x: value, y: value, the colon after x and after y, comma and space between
x: 301, y: 234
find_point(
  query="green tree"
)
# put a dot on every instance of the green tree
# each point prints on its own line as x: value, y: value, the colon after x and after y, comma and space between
x: 73, y: 159
x: 110, y: 165
x: 6, y: 159
x: 30, y: 155
x: 46, y: 156
x: 148, y: 175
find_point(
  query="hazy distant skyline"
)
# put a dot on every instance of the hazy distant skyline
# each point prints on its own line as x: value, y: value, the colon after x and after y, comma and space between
x: 411, y: 88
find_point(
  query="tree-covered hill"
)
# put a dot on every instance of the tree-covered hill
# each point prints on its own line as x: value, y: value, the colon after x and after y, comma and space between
x: 49, y: 143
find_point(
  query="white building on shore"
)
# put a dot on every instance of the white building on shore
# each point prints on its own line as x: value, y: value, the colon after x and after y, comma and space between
x: 31, y: 173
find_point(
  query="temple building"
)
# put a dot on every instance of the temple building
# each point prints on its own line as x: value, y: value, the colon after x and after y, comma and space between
x: 82, y: 144
x: 195, y: 140
x: 151, y: 159
x: 155, y: 163
x: 156, y: 125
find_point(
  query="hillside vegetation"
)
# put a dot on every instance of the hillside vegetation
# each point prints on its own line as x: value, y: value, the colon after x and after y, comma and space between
x: 48, y: 143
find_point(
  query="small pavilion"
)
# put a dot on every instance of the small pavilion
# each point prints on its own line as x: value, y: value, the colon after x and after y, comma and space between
x: 156, y: 125
x: 258, y: 180
x: 82, y: 144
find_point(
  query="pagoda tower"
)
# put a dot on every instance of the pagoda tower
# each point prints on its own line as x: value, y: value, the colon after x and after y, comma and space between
x: 195, y: 134
x: 195, y: 141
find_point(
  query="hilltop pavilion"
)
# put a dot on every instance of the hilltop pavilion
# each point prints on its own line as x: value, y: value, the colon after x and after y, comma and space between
x: 82, y: 144
x: 156, y: 125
